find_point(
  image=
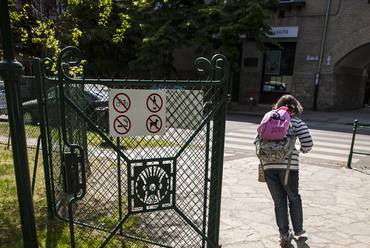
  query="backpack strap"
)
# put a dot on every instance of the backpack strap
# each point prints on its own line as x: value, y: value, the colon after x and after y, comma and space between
x: 289, y: 160
x: 291, y: 135
x: 288, y: 169
x: 290, y: 131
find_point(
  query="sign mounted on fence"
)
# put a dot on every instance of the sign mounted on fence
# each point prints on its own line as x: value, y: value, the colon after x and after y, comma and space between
x: 137, y: 112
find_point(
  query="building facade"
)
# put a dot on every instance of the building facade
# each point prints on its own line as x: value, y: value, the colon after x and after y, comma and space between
x: 323, y: 57
x: 322, y: 60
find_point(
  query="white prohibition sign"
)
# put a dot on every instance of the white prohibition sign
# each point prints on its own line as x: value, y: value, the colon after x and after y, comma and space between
x: 121, y: 103
x: 122, y: 124
x: 154, y: 124
x: 154, y: 103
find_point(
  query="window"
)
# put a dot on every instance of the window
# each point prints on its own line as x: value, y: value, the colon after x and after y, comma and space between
x: 278, y: 68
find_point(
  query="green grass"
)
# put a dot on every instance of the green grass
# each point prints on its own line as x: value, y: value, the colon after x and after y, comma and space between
x: 32, y: 132
x: 128, y: 143
x: 50, y: 232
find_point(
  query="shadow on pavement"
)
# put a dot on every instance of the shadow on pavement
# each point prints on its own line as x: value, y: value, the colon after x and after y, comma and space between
x: 301, y: 242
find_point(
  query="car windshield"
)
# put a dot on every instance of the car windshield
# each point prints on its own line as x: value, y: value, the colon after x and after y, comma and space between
x: 2, y: 99
x: 90, y: 94
x: 101, y: 95
x: 2, y: 95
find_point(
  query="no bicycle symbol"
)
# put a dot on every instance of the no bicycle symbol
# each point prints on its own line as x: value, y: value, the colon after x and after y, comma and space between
x: 154, y: 103
x: 121, y: 103
x: 154, y: 124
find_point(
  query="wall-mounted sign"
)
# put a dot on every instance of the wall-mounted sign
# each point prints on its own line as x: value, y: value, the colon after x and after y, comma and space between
x: 311, y: 57
x: 137, y: 112
x: 272, y: 65
x: 284, y: 32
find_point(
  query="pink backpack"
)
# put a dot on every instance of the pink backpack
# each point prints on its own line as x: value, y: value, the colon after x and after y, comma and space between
x: 274, y: 124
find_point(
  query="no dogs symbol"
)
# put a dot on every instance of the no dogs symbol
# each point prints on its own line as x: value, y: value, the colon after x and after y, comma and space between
x: 154, y: 124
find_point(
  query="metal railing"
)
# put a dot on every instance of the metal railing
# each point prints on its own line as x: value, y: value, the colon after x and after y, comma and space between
x: 144, y: 189
x: 351, y: 152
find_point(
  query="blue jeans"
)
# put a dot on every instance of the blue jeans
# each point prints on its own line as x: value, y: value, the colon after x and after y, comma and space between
x: 281, y: 194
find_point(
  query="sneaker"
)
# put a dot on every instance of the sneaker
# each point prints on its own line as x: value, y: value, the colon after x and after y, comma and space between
x: 303, y: 231
x: 286, y: 237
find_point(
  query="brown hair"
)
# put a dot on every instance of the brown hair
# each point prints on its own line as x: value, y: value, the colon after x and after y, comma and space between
x: 289, y: 101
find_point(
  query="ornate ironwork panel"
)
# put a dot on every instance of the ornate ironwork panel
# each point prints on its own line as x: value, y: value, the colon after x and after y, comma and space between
x: 135, y: 191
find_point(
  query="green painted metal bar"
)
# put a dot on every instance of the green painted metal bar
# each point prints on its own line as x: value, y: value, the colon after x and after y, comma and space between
x: 362, y: 153
x: 63, y: 74
x: 8, y: 141
x: 352, y: 144
x: 35, y: 165
x: 11, y: 71
x: 195, y: 228
x: 206, y: 181
x: 41, y: 108
x: 351, y: 152
x: 120, y: 211
x: 217, y: 153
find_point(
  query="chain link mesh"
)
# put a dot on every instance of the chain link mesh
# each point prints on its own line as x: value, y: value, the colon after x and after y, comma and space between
x: 140, y: 191
x: 28, y: 92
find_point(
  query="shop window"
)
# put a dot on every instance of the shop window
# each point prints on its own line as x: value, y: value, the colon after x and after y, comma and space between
x: 278, y: 69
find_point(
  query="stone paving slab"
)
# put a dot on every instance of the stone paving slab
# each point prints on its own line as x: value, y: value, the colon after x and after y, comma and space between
x: 336, y: 206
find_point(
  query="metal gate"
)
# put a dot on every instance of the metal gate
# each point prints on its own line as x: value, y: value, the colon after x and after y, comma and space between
x: 138, y: 191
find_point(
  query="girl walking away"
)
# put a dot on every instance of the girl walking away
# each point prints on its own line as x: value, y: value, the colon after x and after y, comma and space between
x: 285, y: 196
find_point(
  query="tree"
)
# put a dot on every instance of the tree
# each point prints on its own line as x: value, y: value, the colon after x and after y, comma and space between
x: 33, y: 32
x: 120, y: 35
x: 164, y: 27
x: 215, y: 27
x: 102, y: 31
x: 98, y: 28
x: 226, y: 21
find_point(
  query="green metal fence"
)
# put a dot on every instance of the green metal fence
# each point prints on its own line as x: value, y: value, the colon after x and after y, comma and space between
x: 28, y: 93
x: 135, y: 191
x: 351, y: 151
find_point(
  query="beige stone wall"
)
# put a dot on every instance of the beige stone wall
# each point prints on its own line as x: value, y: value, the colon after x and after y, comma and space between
x: 348, y: 28
x: 339, y: 87
x: 250, y: 77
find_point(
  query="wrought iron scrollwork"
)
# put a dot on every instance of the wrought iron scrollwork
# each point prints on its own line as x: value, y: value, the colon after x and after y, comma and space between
x: 63, y: 67
x: 213, y: 66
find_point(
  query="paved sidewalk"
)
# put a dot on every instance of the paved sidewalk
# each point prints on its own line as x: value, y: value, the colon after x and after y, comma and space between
x: 335, y: 204
x: 336, y: 200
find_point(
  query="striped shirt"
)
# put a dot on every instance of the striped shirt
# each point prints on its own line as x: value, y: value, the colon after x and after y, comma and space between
x: 304, y: 137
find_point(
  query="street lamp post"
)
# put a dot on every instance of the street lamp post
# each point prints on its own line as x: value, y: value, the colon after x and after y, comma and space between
x: 11, y: 72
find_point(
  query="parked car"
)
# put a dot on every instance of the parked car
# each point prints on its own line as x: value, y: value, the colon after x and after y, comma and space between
x: 27, y: 93
x: 2, y: 97
x: 274, y: 86
x: 93, y: 99
x: 2, y: 102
